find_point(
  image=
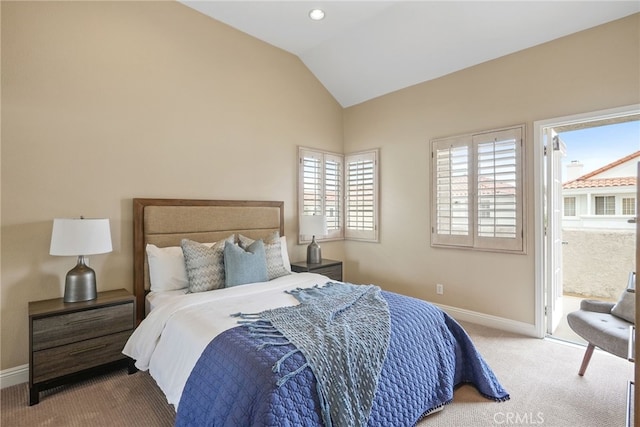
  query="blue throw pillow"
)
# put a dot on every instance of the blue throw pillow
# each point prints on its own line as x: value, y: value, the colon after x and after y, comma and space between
x: 245, y: 266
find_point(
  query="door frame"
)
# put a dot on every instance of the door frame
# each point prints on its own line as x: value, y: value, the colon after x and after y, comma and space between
x: 539, y: 180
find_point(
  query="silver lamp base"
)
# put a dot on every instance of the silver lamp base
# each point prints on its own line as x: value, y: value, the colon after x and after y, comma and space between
x: 80, y: 284
x: 314, y: 254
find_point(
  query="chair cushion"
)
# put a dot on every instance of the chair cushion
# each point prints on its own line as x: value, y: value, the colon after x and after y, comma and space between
x: 625, y: 308
x: 603, y: 330
x: 596, y: 305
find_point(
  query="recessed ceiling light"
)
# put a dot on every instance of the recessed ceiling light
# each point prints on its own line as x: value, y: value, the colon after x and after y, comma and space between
x: 316, y: 14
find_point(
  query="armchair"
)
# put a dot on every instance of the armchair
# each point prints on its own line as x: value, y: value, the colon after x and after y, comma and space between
x: 605, y: 324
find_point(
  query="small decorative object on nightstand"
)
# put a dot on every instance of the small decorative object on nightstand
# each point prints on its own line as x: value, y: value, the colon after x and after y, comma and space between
x: 329, y: 267
x: 69, y: 341
x: 80, y: 237
x: 313, y: 225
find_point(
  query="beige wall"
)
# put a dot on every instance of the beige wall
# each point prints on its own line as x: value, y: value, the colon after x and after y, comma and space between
x: 588, y: 71
x: 106, y: 101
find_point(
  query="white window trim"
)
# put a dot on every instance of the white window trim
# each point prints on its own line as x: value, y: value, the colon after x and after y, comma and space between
x: 467, y: 236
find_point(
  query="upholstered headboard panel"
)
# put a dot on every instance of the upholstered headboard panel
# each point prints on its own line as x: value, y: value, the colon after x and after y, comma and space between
x: 165, y: 222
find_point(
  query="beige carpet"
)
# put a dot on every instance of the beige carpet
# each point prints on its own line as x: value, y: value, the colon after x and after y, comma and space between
x: 113, y: 399
x: 540, y: 375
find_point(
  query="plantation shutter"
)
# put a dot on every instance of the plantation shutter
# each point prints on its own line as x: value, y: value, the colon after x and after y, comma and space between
x: 451, y: 192
x: 476, y: 194
x: 498, y: 218
x: 361, y: 194
x: 311, y: 177
x: 321, y: 190
x: 333, y: 195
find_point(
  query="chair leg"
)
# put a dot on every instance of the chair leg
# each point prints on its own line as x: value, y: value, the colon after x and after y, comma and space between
x: 586, y: 359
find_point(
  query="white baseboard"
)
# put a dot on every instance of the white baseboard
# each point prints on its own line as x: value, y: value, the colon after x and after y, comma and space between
x: 490, y: 321
x: 13, y: 376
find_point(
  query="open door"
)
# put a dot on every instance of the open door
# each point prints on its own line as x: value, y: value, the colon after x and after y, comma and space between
x: 549, y: 209
x: 633, y: 398
x: 555, y: 150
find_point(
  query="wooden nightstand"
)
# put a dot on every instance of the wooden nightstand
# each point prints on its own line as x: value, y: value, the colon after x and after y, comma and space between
x: 329, y: 267
x: 69, y: 341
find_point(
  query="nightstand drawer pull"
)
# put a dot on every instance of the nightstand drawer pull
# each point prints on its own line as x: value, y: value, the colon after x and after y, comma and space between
x: 85, y: 350
x: 88, y: 319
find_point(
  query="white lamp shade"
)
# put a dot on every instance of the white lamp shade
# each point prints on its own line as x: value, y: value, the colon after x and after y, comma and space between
x: 75, y: 237
x: 313, y: 225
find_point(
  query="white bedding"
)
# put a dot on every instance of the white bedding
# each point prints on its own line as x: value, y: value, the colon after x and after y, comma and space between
x: 172, y: 337
x: 155, y: 299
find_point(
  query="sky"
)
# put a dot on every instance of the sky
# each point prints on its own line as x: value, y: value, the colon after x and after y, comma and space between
x: 599, y: 146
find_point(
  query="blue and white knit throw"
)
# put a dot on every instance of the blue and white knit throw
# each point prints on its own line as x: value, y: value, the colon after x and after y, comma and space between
x: 343, y: 331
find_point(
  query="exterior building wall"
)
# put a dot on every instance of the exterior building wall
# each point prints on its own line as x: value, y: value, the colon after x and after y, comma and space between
x: 585, y: 209
x: 625, y: 169
x: 597, y: 263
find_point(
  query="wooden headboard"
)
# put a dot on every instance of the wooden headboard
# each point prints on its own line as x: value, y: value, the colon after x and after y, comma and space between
x: 165, y: 222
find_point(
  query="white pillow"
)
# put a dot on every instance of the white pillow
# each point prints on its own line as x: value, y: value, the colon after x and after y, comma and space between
x: 167, y: 271
x: 285, y: 253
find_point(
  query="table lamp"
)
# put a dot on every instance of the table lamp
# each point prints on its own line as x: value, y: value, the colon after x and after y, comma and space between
x: 80, y: 237
x: 313, y: 225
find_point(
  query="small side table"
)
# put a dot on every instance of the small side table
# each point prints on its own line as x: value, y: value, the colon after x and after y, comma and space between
x: 328, y: 267
x: 69, y: 341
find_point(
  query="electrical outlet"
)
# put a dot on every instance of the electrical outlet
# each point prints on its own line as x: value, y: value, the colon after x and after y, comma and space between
x: 440, y: 289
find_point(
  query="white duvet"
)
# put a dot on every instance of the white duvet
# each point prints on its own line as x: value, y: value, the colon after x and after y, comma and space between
x: 172, y: 337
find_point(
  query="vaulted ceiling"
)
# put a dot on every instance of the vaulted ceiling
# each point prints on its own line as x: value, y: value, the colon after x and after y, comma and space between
x: 365, y: 49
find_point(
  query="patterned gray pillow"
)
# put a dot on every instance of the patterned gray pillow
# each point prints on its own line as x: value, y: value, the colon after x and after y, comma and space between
x: 273, y: 253
x: 204, y: 265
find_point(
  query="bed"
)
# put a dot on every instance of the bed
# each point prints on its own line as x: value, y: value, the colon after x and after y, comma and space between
x: 271, y: 347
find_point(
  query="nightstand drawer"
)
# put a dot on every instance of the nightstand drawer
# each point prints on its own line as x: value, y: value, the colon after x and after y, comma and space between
x: 333, y: 272
x: 82, y: 325
x: 328, y: 267
x: 72, y: 358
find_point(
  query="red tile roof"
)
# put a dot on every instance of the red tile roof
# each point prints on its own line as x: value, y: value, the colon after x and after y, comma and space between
x: 600, y: 182
x: 587, y: 180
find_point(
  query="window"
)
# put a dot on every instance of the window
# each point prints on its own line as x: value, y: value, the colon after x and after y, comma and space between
x: 320, y: 178
x: 569, y: 206
x: 361, y: 191
x: 476, y: 193
x: 605, y: 205
x: 628, y: 206
x: 347, y: 196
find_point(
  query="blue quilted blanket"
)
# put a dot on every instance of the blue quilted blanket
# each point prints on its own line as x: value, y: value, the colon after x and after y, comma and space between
x: 342, y: 330
x: 429, y: 354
